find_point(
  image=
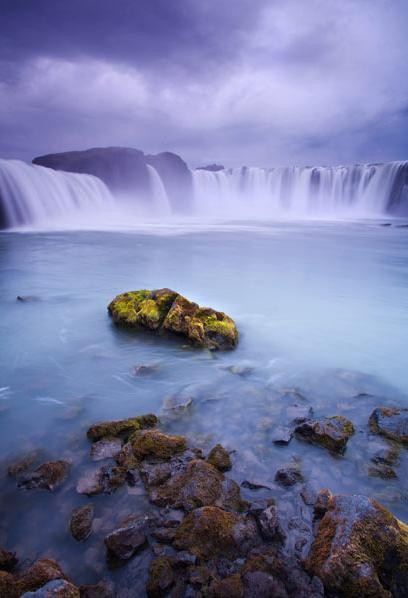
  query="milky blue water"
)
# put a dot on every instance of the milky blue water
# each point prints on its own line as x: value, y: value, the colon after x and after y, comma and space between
x: 322, y: 310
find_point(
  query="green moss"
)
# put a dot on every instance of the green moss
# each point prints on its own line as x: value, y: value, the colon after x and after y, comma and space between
x: 208, y: 532
x: 152, y: 443
x: 346, y: 424
x: 122, y: 427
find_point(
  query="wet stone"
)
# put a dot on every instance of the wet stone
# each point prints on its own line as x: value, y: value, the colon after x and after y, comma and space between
x: 298, y: 414
x: 391, y: 422
x: 161, y: 577
x: 269, y: 525
x: 255, y: 485
x: 121, y: 428
x: 220, y: 458
x: 380, y: 470
x: 81, y: 522
x: 24, y: 463
x: 40, y: 573
x: 308, y: 494
x: 48, y: 476
x: 331, y: 433
x: 107, y: 448
x: 145, y: 370
x: 124, y: 542
x: 282, y: 435
x: 105, y: 480
x: 289, y: 475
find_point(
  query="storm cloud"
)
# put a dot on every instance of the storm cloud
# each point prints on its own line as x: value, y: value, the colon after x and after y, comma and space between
x: 259, y: 82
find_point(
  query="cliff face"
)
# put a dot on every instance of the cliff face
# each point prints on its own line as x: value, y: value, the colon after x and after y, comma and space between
x: 124, y: 171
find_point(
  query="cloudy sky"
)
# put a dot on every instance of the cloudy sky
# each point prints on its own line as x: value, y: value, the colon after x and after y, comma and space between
x: 256, y: 82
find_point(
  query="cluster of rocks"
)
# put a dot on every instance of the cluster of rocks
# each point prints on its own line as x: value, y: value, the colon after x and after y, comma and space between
x: 203, y: 538
x: 164, y: 310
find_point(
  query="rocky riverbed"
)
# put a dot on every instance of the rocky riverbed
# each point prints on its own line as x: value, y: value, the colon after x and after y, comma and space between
x: 201, y: 537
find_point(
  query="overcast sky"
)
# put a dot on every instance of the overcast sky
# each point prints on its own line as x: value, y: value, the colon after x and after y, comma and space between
x: 255, y: 82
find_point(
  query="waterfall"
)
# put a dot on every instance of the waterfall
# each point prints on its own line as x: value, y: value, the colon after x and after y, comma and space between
x: 37, y: 195
x: 160, y: 198
x: 366, y: 190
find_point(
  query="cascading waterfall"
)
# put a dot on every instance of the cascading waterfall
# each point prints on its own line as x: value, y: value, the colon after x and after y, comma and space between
x: 342, y: 191
x: 36, y: 195
x: 160, y: 198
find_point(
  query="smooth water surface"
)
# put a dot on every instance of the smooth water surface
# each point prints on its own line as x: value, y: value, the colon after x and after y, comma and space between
x: 322, y: 310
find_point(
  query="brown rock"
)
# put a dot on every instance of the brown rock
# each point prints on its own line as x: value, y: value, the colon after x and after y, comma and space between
x: 197, y: 484
x: 8, y: 560
x: 390, y: 422
x: 125, y: 541
x: 332, y: 433
x: 161, y: 577
x: 81, y: 522
x: 8, y: 586
x: 220, y: 458
x: 209, y: 532
x: 41, y: 572
x: 360, y: 549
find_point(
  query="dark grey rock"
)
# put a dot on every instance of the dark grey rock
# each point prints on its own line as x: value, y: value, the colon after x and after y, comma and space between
x: 125, y: 541
x: 391, y: 422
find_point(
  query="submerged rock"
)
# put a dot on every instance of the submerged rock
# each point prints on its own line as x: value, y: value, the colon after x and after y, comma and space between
x: 390, y: 422
x: 269, y: 524
x: 209, y: 532
x: 289, y: 475
x: 24, y: 463
x: 121, y: 428
x: 105, y: 480
x: 125, y: 541
x: 220, y: 458
x: 196, y: 484
x: 48, y: 476
x: 282, y: 435
x: 106, y: 448
x: 360, y: 549
x: 332, y: 433
x: 81, y: 522
x: 164, y: 309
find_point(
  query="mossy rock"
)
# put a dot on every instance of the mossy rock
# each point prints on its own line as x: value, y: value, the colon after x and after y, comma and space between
x: 332, y: 433
x: 152, y: 444
x: 198, y: 484
x: 164, y: 309
x: 360, y: 549
x: 8, y: 586
x: 209, y: 532
x: 121, y: 428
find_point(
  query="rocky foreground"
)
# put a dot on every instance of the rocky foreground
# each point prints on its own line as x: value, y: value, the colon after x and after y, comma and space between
x: 201, y: 538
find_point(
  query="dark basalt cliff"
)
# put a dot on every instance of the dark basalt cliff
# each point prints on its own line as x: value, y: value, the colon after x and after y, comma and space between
x: 124, y: 170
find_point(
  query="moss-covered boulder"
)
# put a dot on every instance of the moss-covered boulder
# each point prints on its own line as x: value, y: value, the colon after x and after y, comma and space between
x: 360, y: 549
x: 390, y: 422
x: 164, y: 309
x: 153, y: 444
x: 209, y: 532
x: 219, y: 457
x: 332, y: 433
x: 121, y: 428
x: 197, y: 484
